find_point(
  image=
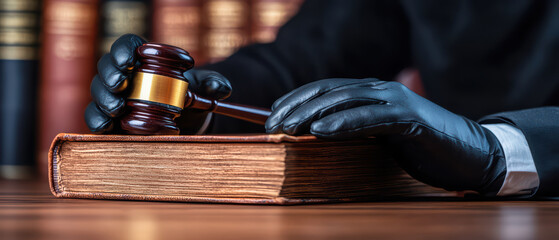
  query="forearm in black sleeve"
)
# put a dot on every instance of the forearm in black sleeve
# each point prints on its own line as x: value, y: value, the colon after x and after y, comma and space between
x: 541, y: 129
x: 352, y: 39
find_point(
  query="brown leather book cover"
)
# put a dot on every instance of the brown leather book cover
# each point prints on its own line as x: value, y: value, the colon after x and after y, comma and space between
x: 226, y: 27
x: 67, y: 66
x: 268, y: 16
x: 178, y: 23
x: 252, y: 169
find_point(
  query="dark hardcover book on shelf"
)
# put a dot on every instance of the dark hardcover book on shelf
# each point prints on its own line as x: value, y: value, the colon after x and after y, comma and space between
x: 69, y: 57
x: 19, y: 43
x: 119, y: 17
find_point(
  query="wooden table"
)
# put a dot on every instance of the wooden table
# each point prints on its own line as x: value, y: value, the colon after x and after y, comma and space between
x: 29, y: 211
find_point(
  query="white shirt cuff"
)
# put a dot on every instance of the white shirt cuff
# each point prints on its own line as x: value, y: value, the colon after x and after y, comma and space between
x: 521, y: 177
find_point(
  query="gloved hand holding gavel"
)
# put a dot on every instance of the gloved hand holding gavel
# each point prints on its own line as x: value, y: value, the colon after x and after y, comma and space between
x: 111, y: 86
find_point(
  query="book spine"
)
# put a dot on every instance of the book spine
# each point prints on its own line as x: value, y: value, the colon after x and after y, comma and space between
x: 268, y: 16
x: 69, y: 37
x: 178, y: 23
x: 119, y: 17
x: 19, y: 40
x: 226, y: 26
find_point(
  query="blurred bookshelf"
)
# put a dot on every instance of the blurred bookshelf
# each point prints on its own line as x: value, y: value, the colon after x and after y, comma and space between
x: 49, y: 50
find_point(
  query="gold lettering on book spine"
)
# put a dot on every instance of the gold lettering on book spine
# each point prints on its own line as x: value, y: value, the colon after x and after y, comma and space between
x: 269, y: 16
x: 125, y: 17
x: 120, y: 18
x: 19, y: 29
x: 227, y: 22
x: 18, y: 20
x: 227, y: 14
x: 72, y: 22
x: 272, y: 13
x: 71, y: 18
x: 159, y: 89
x: 19, y: 5
x: 18, y: 53
x: 222, y: 44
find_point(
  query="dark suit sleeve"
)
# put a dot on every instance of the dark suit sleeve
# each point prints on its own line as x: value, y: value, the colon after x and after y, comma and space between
x: 326, y: 39
x: 541, y: 129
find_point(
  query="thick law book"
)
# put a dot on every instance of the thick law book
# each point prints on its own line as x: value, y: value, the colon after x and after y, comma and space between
x: 254, y: 169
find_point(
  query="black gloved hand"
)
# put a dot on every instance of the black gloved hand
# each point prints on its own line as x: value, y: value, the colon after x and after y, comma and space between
x: 432, y: 144
x: 109, y: 89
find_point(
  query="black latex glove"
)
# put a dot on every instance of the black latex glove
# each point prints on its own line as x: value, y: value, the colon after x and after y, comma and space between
x: 109, y: 89
x: 432, y: 144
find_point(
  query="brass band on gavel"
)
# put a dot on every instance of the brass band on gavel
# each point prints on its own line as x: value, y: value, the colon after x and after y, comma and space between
x: 159, y: 89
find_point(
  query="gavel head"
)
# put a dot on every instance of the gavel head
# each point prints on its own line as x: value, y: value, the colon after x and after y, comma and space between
x: 157, y: 90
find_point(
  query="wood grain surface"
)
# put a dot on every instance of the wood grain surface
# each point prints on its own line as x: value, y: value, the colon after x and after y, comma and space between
x: 29, y: 211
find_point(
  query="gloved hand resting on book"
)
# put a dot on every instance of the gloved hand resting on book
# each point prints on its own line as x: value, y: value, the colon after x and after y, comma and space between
x: 109, y: 88
x: 432, y: 144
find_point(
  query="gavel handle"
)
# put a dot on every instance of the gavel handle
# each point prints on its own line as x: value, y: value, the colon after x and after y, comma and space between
x: 248, y: 113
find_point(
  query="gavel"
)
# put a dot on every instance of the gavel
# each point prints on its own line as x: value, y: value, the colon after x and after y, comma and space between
x: 159, y: 92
